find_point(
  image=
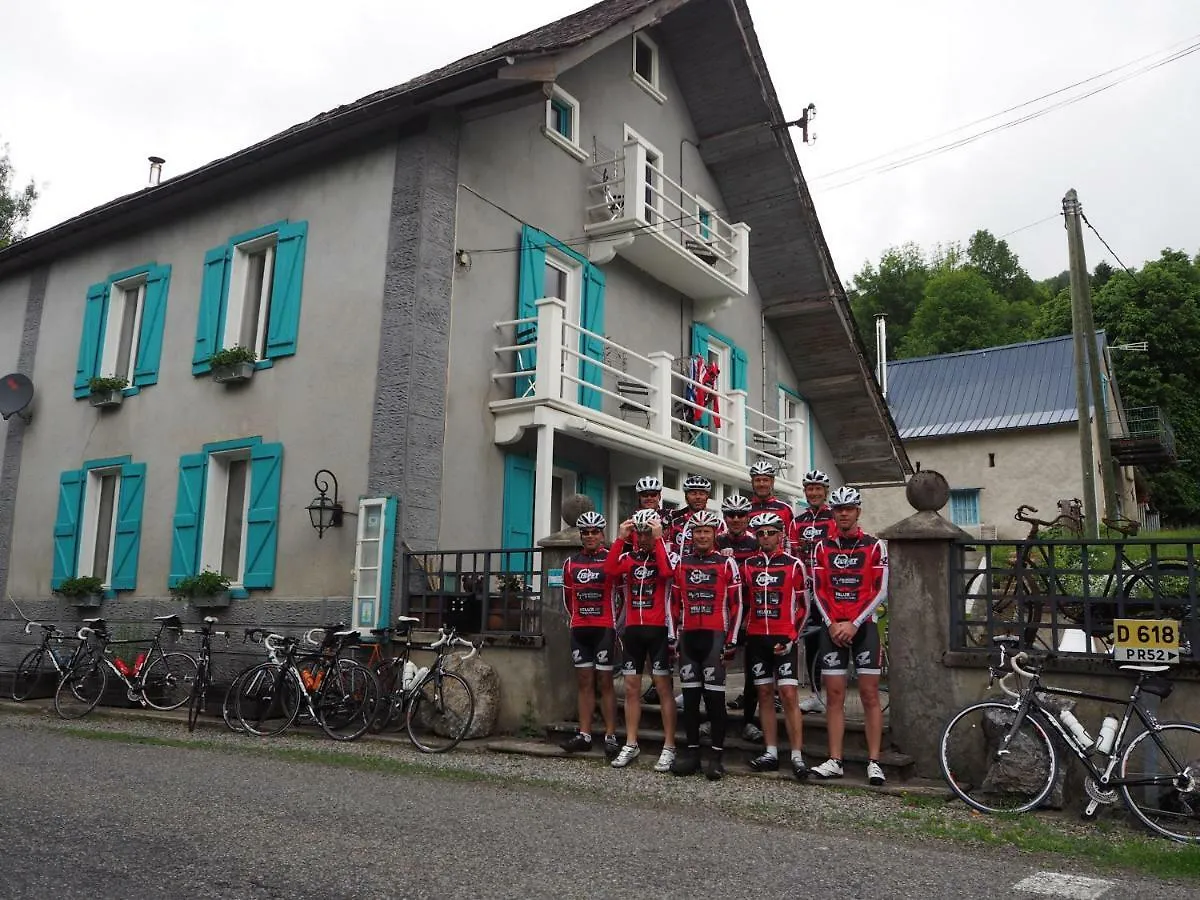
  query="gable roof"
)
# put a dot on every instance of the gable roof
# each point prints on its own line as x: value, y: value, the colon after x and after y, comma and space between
x: 1025, y: 385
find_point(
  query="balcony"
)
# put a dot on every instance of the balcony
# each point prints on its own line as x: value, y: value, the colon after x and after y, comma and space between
x: 560, y: 375
x: 635, y: 210
x: 1145, y: 438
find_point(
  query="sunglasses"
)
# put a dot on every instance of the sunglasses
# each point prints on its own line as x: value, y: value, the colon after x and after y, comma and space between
x: 767, y: 532
x: 587, y: 531
x: 736, y: 515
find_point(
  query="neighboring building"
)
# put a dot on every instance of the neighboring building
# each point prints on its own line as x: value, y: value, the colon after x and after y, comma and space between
x: 1001, y: 425
x: 630, y: 160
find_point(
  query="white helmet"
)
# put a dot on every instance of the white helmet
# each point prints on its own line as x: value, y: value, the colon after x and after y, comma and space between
x: 705, y: 518
x: 697, y: 483
x: 763, y: 467
x: 647, y: 484
x: 735, y: 503
x: 591, y: 519
x: 644, y: 519
x: 766, y: 520
x: 816, y: 476
x: 845, y: 496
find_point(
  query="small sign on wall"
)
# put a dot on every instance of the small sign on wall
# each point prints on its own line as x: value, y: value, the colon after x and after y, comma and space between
x: 554, y: 578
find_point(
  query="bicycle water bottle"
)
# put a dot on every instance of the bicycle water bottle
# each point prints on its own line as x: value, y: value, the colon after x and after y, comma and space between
x: 410, y: 675
x: 1076, y: 728
x: 1108, y: 731
x: 419, y: 677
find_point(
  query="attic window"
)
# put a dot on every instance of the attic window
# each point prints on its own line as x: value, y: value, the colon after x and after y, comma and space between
x: 646, y: 66
x: 562, y: 122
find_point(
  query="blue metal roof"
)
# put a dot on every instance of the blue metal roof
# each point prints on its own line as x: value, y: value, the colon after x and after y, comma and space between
x: 1015, y: 386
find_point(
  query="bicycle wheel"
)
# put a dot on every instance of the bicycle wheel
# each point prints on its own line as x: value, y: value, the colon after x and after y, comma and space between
x: 229, y: 704
x: 81, y: 688
x: 1016, y: 782
x: 391, y: 695
x: 267, y: 700
x: 1171, y: 756
x: 167, y: 681
x: 198, y: 695
x: 347, y: 701
x: 440, y: 712
x: 28, y: 671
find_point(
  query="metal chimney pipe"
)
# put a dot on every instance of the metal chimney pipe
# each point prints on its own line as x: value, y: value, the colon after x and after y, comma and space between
x: 156, y: 164
x: 881, y: 351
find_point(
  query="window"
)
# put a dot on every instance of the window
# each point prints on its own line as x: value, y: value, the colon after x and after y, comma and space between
x: 97, y: 531
x: 646, y: 66
x: 562, y: 122
x: 227, y: 513
x: 793, y: 409
x: 373, y: 558
x: 250, y: 295
x: 964, y: 506
x: 564, y: 282
x: 652, y: 208
x: 123, y: 328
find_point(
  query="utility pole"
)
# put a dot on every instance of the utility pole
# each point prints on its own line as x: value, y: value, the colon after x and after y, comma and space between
x: 1081, y: 286
x: 1082, y: 341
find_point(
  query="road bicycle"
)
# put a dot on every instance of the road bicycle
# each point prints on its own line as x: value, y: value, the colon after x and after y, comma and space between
x: 339, y: 693
x: 199, y: 695
x: 162, y: 679
x: 29, y: 669
x: 1002, y: 755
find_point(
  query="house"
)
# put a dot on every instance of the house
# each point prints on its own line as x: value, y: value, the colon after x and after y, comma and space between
x: 1002, y: 425
x: 466, y: 297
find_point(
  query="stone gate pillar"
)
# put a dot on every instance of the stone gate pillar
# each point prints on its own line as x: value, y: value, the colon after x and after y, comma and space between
x: 558, y: 694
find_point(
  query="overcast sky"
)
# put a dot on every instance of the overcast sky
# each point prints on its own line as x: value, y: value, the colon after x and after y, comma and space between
x: 92, y: 89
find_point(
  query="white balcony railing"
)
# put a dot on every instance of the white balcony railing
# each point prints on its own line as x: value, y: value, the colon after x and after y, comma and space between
x: 555, y: 361
x: 665, y: 229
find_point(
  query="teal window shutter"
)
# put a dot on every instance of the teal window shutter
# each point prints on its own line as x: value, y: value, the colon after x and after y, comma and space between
x: 387, y: 562
x: 213, y: 291
x: 128, y: 536
x: 517, y: 510
x: 283, y: 327
x: 92, y: 339
x: 592, y: 487
x: 964, y: 506
x: 189, y: 511
x: 154, y: 314
x: 66, y: 527
x: 262, y: 516
x: 530, y: 285
x: 592, y: 319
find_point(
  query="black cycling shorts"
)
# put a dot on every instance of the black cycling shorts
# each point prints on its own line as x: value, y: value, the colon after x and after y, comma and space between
x: 642, y: 642
x: 700, y: 661
x: 765, y: 666
x: 592, y: 647
x: 867, y: 651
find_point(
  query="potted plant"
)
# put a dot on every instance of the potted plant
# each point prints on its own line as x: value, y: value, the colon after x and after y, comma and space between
x: 505, y: 608
x: 86, y: 591
x: 106, y: 390
x: 233, y: 364
x: 208, y: 589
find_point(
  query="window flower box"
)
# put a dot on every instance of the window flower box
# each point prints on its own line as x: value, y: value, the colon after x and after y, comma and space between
x: 83, y: 592
x: 106, y: 391
x: 233, y: 366
x: 208, y: 590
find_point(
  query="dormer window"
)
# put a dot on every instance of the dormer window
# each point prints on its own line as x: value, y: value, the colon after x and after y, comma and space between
x: 562, y: 122
x: 646, y: 66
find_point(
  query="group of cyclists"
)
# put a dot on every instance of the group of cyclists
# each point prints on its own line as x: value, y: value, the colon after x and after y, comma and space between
x: 689, y: 586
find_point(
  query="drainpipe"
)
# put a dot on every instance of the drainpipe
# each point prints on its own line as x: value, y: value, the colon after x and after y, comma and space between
x: 881, y: 352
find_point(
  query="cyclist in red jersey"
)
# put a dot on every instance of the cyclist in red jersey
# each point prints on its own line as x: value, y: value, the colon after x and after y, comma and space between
x: 643, y: 577
x: 738, y: 543
x: 850, y: 577
x: 706, y: 600
x: 696, y: 491
x: 776, y: 587
x: 588, y: 583
x: 649, y: 496
x: 810, y: 526
x: 762, y: 481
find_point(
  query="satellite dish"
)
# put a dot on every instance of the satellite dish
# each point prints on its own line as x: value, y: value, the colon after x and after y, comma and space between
x: 16, y: 393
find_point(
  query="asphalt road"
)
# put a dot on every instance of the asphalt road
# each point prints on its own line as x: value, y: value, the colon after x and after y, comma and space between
x: 93, y: 819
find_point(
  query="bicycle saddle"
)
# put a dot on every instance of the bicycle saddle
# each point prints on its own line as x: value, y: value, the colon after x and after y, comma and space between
x: 1138, y: 667
x: 95, y: 624
x: 210, y: 620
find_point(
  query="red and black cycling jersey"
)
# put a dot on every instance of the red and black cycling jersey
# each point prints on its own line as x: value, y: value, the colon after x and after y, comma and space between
x: 850, y: 576
x: 644, y: 582
x: 588, y: 586
x: 707, y: 594
x: 781, y: 508
x: 742, y: 546
x: 810, y: 526
x: 776, y: 593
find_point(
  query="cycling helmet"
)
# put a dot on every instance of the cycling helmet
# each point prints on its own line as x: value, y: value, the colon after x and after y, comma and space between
x: 816, y: 476
x: 705, y: 518
x: 735, y: 503
x: 644, y: 519
x: 845, y: 496
x: 591, y: 520
x: 697, y: 483
x: 647, y: 484
x: 763, y: 467
x: 766, y: 520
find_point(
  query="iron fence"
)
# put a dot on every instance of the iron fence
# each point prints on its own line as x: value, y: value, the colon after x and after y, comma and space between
x: 477, y: 591
x: 1064, y: 594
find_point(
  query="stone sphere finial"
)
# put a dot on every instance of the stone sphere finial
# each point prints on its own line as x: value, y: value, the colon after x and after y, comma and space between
x: 927, y: 491
x: 575, y: 506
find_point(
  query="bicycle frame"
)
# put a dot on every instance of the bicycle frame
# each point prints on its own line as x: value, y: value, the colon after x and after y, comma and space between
x: 136, y: 687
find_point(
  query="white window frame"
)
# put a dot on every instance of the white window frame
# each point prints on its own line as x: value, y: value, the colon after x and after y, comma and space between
x: 238, y: 283
x: 653, y: 86
x: 574, y: 272
x: 90, y: 523
x: 654, y: 158
x: 703, y: 205
x: 368, y: 506
x: 725, y: 363
x: 113, y: 326
x: 568, y: 143
x: 785, y: 398
x: 216, y: 495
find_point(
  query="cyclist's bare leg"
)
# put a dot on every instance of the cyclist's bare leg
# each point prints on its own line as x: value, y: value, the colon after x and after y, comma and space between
x: 587, y: 698
x: 770, y: 723
x: 868, y: 692
x: 608, y: 702
x: 633, y: 707
x: 666, y: 700
x: 790, y: 696
x: 835, y: 711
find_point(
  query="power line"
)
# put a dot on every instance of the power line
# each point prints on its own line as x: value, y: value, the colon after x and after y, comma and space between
x: 1056, y: 215
x: 1107, y: 247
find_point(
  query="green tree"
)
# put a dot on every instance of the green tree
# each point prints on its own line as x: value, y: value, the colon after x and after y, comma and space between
x: 993, y: 259
x: 959, y: 311
x: 15, y: 203
x: 895, y: 287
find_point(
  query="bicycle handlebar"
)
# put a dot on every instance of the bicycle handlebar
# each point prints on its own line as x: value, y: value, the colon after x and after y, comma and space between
x: 1016, y: 661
